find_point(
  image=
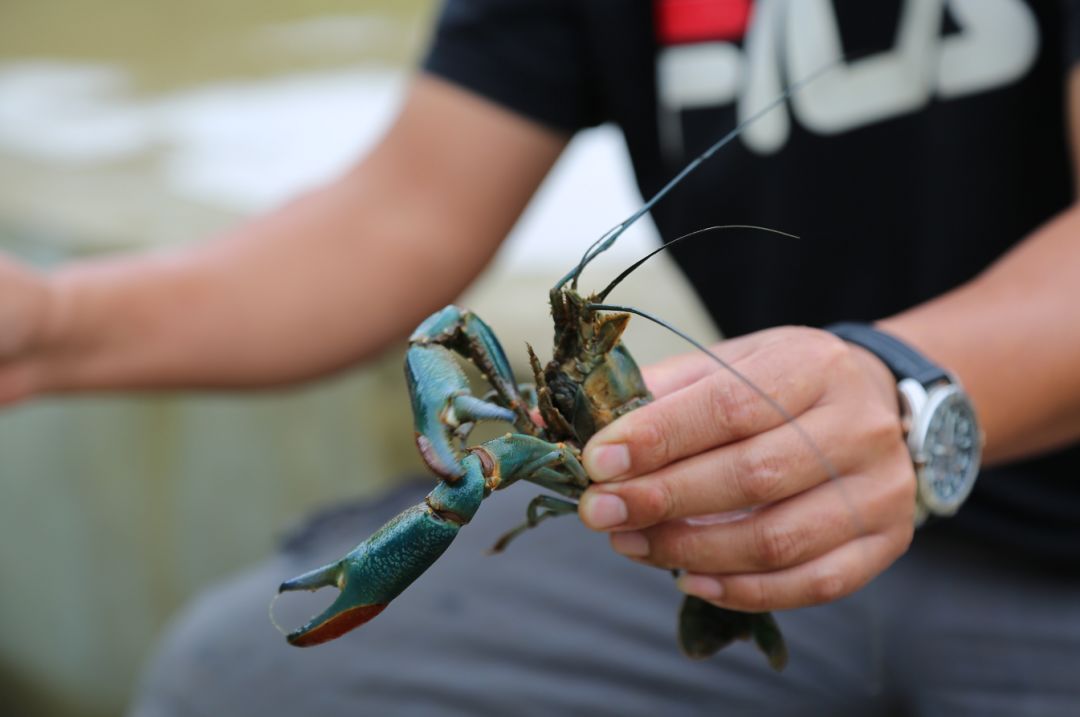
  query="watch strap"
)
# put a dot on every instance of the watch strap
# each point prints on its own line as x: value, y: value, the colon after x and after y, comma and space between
x: 902, y: 360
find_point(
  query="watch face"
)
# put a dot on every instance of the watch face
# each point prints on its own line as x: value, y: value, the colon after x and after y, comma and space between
x: 951, y: 446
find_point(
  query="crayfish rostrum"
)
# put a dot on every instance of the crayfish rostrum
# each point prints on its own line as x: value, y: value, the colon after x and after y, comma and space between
x: 590, y: 381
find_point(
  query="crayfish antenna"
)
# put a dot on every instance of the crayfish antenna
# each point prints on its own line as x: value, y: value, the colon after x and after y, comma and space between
x: 608, y: 238
x: 690, y: 235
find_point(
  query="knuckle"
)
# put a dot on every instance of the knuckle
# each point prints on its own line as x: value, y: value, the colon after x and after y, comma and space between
x: 827, y: 349
x: 669, y: 550
x: 648, y: 440
x: 657, y: 502
x: 827, y: 585
x: 728, y: 406
x: 755, y: 595
x: 907, y: 484
x: 679, y: 554
x: 777, y: 545
x: 902, y: 485
x: 759, y: 476
x: 881, y: 427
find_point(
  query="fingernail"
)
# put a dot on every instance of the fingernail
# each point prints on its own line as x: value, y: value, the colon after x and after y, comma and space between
x: 607, y: 462
x: 702, y: 586
x: 603, y: 510
x: 631, y: 544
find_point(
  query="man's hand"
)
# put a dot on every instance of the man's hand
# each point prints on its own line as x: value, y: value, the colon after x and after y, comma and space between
x: 711, y: 479
x: 24, y: 309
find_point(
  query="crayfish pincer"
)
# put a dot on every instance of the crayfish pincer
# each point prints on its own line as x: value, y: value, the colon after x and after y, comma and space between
x: 590, y: 381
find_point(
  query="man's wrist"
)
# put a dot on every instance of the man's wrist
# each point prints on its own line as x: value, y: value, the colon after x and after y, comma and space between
x: 94, y: 320
x: 53, y: 342
x: 938, y: 419
x: 27, y: 303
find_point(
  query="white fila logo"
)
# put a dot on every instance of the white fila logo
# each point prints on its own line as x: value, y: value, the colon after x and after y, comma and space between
x: 997, y: 44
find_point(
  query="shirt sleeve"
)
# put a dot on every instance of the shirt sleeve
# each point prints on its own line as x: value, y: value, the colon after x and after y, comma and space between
x: 530, y: 56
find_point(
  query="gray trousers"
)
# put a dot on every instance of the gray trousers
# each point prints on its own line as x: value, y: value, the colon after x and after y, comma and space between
x: 559, y: 624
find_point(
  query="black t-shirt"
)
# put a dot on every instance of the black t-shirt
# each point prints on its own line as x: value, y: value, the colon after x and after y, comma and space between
x: 906, y: 171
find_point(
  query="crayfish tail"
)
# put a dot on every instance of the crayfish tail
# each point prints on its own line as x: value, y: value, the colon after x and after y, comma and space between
x: 770, y: 640
x: 704, y: 629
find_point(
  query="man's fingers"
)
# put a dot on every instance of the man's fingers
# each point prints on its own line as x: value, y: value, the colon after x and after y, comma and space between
x: 712, y: 411
x: 778, y: 536
x: 752, y: 472
x: 680, y: 371
x: 765, y: 468
x: 824, y: 579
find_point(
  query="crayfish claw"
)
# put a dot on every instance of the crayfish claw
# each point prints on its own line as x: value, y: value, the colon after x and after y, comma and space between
x: 344, y: 613
x: 377, y: 570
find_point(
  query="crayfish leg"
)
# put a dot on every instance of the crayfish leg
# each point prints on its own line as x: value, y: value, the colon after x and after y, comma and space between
x: 540, y: 508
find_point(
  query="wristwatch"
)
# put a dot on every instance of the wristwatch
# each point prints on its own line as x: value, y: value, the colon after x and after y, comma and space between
x: 939, y: 421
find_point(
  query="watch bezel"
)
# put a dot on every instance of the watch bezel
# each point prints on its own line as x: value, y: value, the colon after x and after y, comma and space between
x: 937, y: 399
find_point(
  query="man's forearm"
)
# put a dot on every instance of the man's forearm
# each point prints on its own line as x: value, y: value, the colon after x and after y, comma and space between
x: 317, y: 285
x: 295, y: 294
x: 1012, y: 335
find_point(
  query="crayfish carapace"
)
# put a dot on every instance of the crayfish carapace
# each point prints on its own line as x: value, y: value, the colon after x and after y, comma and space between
x: 590, y: 381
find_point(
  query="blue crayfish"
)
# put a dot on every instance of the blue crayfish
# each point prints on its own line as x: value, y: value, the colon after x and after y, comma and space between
x: 590, y: 381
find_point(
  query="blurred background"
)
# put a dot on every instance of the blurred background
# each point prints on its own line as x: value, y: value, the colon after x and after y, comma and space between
x: 128, y: 125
